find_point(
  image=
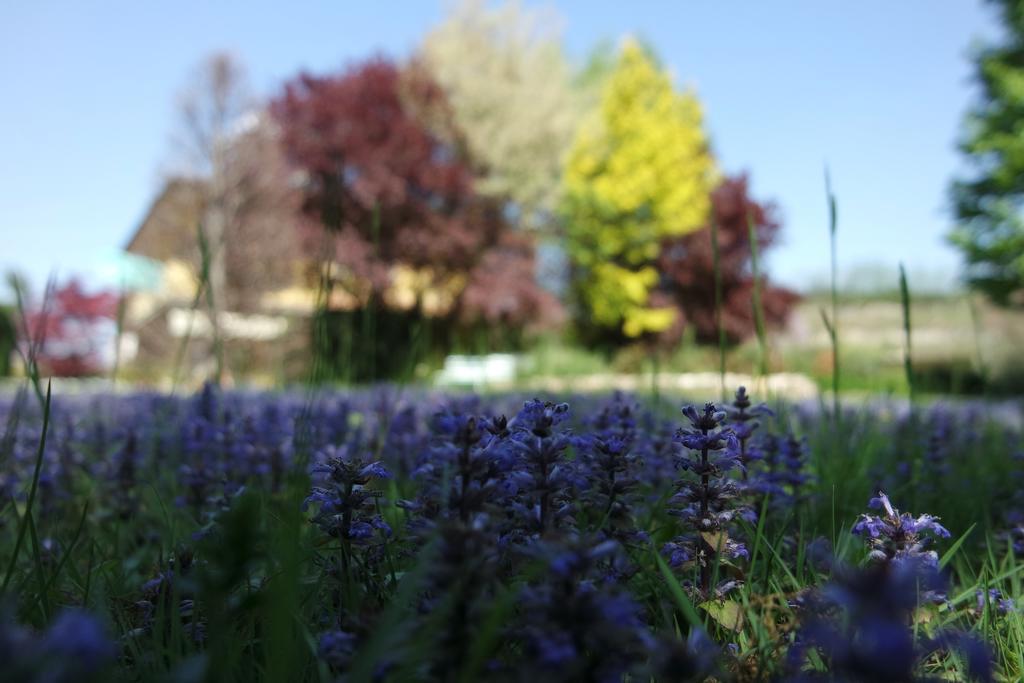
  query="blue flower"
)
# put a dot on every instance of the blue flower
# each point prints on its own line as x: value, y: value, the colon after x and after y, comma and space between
x: 994, y: 597
x: 360, y: 530
x: 336, y: 648
x: 76, y: 640
x: 555, y: 650
x: 374, y: 470
x: 896, y: 536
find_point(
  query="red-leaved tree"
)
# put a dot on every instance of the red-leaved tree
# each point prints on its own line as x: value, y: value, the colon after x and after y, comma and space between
x: 386, y: 175
x: 66, y: 333
x: 688, y: 274
x: 389, y: 187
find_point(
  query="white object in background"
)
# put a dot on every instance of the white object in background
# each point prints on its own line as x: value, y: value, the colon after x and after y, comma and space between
x: 128, y: 347
x: 494, y: 368
x: 183, y: 322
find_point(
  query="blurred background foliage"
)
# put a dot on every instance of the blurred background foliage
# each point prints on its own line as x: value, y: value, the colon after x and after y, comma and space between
x: 990, y: 232
x: 488, y: 194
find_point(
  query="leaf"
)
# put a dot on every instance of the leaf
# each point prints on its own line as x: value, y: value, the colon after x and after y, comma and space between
x: 728, y: 613
x: 732, y: 569
x: 717, y: 540
x: 924, y: 615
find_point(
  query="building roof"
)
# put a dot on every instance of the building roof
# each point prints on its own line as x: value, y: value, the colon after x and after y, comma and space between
x: 170, y: 226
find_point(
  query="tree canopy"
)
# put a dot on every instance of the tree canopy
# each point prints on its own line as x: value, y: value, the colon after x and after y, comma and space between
x: 509, y: 86
x: 639, y: 171
x: 687, y: 265
x: 389, y: 187
x: 990, y: 229
x: 66, y: 330
x: 388, y: 180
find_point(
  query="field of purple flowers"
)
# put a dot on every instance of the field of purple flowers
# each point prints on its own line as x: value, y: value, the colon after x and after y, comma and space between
x: 396, y: 535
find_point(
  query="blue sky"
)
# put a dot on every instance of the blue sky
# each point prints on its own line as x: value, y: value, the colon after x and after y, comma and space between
x: 875, y: 89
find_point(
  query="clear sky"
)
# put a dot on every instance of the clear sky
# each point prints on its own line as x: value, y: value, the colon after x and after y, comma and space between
x: 875, y: 89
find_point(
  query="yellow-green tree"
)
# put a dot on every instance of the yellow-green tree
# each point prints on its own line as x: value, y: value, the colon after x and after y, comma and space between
x: 639, y: 171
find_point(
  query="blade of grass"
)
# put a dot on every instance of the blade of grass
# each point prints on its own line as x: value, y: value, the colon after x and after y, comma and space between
x: 30, y: 354
x: 833, y: 323
x: 677, y: 592
x: 23, y: 523
x: 908, y: 365
x: 40, y: 571
x: 179, y: 355
x: 208, y: 262
x: 369, y: 326
x: 758, y: 535
x: 11, y: 427
x: 71, y: 547
x: 778, y: 558
x: 758, y: 311
x: 976, y: 328
x: 121, y: 306
x: 970, y: 591
x: 916, y: 464
x: 948, y: 555
x: 716, y: 262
